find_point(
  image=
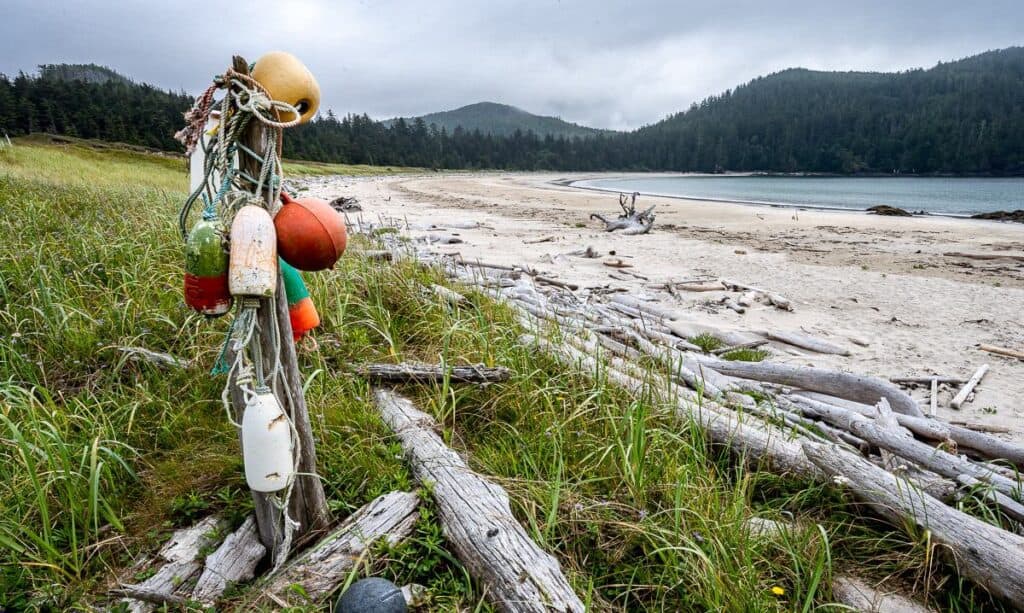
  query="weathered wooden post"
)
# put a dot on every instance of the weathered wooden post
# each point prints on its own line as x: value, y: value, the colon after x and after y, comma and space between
x: 307, y: 504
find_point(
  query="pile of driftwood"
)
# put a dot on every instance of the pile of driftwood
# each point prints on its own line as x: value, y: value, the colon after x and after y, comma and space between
x: 860, y: 432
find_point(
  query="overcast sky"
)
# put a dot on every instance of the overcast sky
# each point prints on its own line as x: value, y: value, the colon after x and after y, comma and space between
x: 600, y: 63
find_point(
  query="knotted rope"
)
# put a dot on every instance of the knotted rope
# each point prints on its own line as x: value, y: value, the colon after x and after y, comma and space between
x: 224, y: 189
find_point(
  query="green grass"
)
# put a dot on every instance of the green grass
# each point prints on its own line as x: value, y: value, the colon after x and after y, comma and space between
x: 102, y: 456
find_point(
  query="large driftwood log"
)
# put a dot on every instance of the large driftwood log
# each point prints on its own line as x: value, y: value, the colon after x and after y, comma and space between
x: 776, y: 300
x: 234, y: 561
x: 413, y: 372
x: 324, y: 566
x: 861, y: 388
x: 984, y: 553
x: 630, y: 221
x: 936, y: 460
x: 477, y: 520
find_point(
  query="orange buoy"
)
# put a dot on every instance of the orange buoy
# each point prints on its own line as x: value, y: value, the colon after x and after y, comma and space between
x: 301, y: 310
x: 288, y: 80
x: 310, y: 233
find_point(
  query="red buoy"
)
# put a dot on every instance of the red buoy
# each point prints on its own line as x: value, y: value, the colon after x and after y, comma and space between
x: 310, y: 233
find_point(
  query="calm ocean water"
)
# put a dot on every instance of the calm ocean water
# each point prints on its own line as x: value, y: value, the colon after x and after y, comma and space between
x: 945, y: 196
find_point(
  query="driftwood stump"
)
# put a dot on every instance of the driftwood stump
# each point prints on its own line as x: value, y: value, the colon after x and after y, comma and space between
x: 630, y: 221
x: 308, y: 504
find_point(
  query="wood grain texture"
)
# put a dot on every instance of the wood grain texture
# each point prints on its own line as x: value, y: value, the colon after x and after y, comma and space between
x: 477, y: 521
x: 320, y: 570
x: 234, y: 561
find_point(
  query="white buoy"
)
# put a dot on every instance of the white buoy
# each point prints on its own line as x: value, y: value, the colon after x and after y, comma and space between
x: 252, y: 269
x: 266, y: 444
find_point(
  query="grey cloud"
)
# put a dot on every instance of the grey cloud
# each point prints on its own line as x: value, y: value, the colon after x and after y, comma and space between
x: 607, y: 64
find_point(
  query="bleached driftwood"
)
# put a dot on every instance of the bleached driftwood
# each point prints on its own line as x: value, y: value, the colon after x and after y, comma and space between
x: 630, y: 221
x: 158, y: 358
x: 965, y: 391
x: 860, y: 596
x: 933, y: 429
x: 731, y: 348
x: 928, y: 380
x: 933, y: 397
x: 234, y: 561
x: 1010, y: 353
x: 902, y: 444
x: 390, y: 517
x: 477, y: 520
x: 408, y: 372
x: 773, y: 298
x: 984, y: 553
x: 179, y: 565
x: 861, y: 388
x: 452, y: 297
x: 805, y: 341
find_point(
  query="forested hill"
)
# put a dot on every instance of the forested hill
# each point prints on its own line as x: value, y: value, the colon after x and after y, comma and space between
x: 501, y: 120
x: 959, y: 117
x: 964, y: 116
x: 91, y: 101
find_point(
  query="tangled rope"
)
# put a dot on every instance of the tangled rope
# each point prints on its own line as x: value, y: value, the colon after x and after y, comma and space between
x: 225, y: 188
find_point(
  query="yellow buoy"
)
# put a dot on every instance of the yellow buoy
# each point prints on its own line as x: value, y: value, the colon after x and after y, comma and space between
x: 288, y: 80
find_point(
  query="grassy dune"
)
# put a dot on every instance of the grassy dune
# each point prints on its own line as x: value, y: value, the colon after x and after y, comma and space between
x: 101, y: 456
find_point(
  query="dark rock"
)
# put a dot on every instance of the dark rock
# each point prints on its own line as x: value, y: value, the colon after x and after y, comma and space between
x: 884, y: 209
x: 372, y: 595
x: 1017, y: 216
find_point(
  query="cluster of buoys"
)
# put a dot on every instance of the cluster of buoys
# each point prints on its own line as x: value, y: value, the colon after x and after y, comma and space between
x: 307, y: 233
x: 243, y: 262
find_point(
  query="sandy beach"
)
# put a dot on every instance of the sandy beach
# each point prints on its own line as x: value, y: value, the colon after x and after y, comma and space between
x: 854, y: 279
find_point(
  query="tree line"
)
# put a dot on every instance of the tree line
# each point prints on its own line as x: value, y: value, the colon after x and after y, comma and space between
x: 960, y: 117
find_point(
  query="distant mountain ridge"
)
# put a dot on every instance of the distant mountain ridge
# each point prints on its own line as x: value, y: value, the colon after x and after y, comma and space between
x: 502, y: 120
x: 90, y: 73
x: 963, y: 117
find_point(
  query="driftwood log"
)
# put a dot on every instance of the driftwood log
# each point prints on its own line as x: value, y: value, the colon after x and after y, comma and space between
x: 233, y: 562
x: 476, y: 519
x: 630, y: 221
x: 926, y: 428
x: 413, y: 372
x: 179, y: 561
x: 965, y: 391
x: 986, y: 554
x: 861, y: 388
x: 777, y: 436
x: 321, y: 569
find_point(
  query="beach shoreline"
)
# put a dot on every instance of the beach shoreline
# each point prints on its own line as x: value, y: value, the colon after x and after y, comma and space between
x: 578, y: 184
x: 852, y: 277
